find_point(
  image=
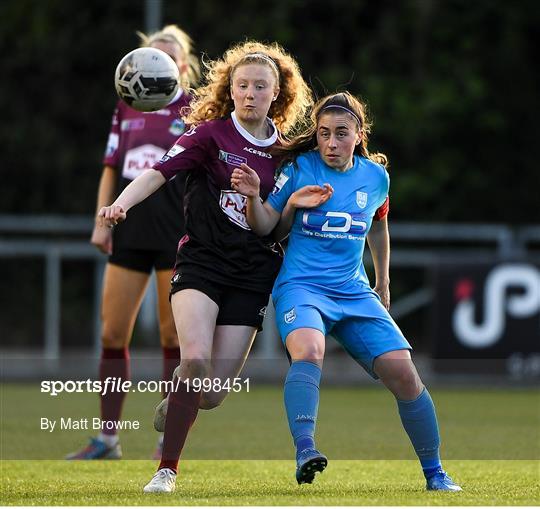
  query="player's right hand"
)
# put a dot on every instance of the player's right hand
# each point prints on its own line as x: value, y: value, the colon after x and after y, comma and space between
x: 102, y: 238
x: 111, y: 215
x: 308, y: 197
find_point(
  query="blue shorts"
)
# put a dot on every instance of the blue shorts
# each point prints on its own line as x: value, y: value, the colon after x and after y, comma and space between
x: 362, y: 326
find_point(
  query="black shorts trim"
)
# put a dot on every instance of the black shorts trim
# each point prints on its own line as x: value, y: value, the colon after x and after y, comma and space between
x: 143, y: 260
x: 237, y: 306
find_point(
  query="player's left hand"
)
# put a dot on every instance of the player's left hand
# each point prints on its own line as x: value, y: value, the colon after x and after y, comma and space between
x: 308, y: 197
x: 246, y: 181
x: 383, y: 291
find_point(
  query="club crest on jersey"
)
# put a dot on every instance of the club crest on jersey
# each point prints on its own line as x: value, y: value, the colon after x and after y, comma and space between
x: 280, y: 182
x: 177, y: 127
x: 290, y: 316
x: 231, y: 159
x: 361, y: 199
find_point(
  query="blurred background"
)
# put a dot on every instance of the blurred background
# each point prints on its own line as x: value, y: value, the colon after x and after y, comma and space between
x: 452, y: 87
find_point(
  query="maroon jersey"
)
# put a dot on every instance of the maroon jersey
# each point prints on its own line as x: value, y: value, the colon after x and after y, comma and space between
x: 136, y: 142
x: 219, y: 244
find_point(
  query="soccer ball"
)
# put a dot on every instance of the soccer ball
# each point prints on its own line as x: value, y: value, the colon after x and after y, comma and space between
x: 147, y: 79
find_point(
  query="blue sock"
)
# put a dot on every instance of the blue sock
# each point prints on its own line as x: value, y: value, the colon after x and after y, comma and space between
x: 420, y: 422
x: 301, y: 395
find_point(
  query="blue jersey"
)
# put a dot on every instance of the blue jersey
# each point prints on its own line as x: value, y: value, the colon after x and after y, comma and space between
x: 326, y: 244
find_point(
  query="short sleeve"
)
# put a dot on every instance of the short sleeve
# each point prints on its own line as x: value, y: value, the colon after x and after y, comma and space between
x: 111, y: 157
x: 189, y: 152
x: 283, y: 188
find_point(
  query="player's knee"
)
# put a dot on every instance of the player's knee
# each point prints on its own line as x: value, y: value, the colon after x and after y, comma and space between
x: 195, y: 367
x: 310, y: 353
x: 113, y: 338
x: 406, y: 384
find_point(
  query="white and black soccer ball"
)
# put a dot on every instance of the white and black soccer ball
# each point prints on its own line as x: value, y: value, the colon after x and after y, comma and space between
x: 147, y: 79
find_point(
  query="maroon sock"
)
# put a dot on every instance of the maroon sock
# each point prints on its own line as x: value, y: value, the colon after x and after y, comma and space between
x: 171, y: 360
x: 115, y: 364
x: 181, y: 414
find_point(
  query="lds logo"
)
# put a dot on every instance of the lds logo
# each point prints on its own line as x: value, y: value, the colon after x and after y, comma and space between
x: 497, y: 304
x: 340, y: 222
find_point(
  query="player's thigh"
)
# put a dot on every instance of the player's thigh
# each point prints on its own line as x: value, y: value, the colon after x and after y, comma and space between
x: 368, y: 332
x: 232, y: 344
x: 167, y: 329
x: 394, y: 364
x: 195, y: 316
x: 398, y: 373
x: 123, y: 291
x: 241, y: 314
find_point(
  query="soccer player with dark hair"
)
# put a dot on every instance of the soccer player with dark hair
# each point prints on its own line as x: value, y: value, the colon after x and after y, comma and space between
x: 332, y: 196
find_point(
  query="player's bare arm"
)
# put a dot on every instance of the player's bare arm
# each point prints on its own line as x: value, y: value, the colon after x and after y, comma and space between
x: 101, y: 235
x: 142, y: 187
x: 379, y: 244
x: 284, y: 226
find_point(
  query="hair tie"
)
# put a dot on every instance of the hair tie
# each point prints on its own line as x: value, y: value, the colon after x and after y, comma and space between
x: 342, y: 108
x: 265, y: 57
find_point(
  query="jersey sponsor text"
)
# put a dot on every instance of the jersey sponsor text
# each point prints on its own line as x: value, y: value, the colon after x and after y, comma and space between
x: 258, y: 152
x: 335, y: 222
x: 235, y: 206
x: 231, y: 159
x: 140, y: 159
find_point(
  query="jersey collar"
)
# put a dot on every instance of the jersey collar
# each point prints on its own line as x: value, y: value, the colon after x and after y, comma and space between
x: 249, y: 137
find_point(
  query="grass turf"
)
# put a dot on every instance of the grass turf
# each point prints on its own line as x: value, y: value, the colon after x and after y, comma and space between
x: 253, y: 482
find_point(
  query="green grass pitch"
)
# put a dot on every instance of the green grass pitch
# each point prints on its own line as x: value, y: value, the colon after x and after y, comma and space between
x: 259, y: 482
x: 241, y: 453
